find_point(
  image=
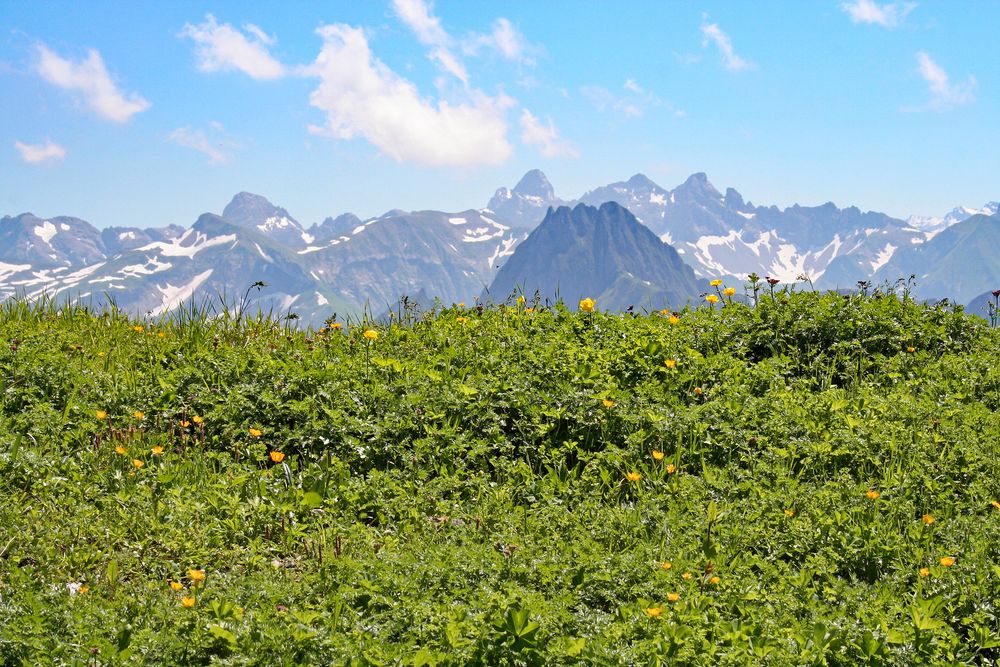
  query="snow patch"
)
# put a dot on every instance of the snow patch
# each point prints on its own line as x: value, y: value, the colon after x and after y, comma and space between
x: 321, y: 300
x: 63, y: 226
x: 748, y: 216
x: 667, y: 238
x: 275, y: 222
x: 151, y: 266
x: 130, y: 236
x: 655, y: 198
x: 45, y: 231
x: 505, y: 249
x: 171, y: 296
x: 307, y: 238
x: 457, y: 221
x: 262, y: 253
x: 883, y: 257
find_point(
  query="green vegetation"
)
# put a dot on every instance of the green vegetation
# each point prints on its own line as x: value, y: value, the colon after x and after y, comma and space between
x: 813, y: 481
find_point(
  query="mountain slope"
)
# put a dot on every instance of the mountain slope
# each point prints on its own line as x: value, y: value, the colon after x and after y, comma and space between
x: 527, y: 203
x: 603, y: 253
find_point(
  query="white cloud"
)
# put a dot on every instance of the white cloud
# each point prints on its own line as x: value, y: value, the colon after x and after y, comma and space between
x: 943, y: 92
x: 417, y: 16
x: 39, y: 153
x: 197, y: 140
x: 504, y: 39
x: 632, y: 104
x: 225, y: 48
x: 730, y: 60
x: 889, y: 15
x: 90, y: 79
x: 546, y: 137
x: 362, y: 97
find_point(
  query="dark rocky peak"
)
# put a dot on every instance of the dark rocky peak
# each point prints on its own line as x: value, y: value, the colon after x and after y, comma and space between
x: 535, y: 184
x: 249, y: 210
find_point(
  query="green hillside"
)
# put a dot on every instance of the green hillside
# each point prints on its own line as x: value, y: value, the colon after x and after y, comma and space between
x: 814, y: 481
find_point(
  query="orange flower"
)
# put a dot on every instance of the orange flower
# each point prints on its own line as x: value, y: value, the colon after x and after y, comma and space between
x: 277, y: 457
x: 197, y: 419
x: 698, y: 391
x: 256, y: 432
x: 137, y: 328
x: 873, y: 494
x: 461, y: 320
x: 995, y: 504
x: 185, y: 423
x: 924, y: 572
x: 336, y: 326
x: 927, y: 519
x: 138, y: 463
x: 139, y: 415
x: 910, y: 349
x: 633, y: 476
x: 121, y: 450
x: 947, y: 561
x: 714, y: 580
x: 187, y: 602
x: 671, y: 469
x: 195, y: 575
x: 666, y: 565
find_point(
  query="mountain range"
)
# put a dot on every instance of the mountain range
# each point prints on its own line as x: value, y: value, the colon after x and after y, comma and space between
x: 655, y: 248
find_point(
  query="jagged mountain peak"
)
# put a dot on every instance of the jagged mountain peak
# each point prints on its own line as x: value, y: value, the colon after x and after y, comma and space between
x: 535, y: 184
x: 697, y: 185
x: 641, y: 181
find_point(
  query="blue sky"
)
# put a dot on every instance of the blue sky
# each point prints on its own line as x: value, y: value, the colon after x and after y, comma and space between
x: 134, y: 113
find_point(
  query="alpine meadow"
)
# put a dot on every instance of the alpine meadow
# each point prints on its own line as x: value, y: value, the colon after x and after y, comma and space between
x: 433, y: 333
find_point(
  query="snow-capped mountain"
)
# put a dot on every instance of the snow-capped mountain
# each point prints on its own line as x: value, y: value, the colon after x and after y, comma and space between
x: 256, y: 212
x: 527, y: 203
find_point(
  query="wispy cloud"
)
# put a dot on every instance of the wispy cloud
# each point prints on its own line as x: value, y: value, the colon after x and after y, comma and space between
x: 217, y: 150
x: 732, y: 62
x: 226, y: 48
x: 889, y: 15
x: 504, y: 39
x: 89, y: 78
x: 418, y: 17
x: 361, y: 96
x: 631, y: 104
x: 545, y: 137
x: 944, y: 93
x: 40, y: 153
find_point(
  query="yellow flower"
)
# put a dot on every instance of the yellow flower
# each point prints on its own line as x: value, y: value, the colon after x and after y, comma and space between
x: 671, y: 469
x: 185, y: 423
x: 714, y: 580
x: 664, y: 312
x: 84, y: 588
x: 157, y: 451
x: 461, y: 320
x: 121, y: 450
x: 925, y: 572
x: 910, y: 349
x: 947, y: 561
x: 698, y: 391
x: 927, y: 519
x: 654, y: 612
x: 716, y: 282
x: 337, y: 326
x: 658, y: 455
x: 139, y: 415
x: 176, y: 585
x: 673, y: 319
x: 633, y: 476
x: 674, y: 597
x: 256, y: 432
x: 160, y: 334
x: 995, y: 504
x: 277, y: 457
x: 670, y: 363
x: 789, y: 513
x: 873, y: 494
x: 712, y: 298
x: 608, y: 403
x: 197, y: 420
x: 101, y: 414
x: 138, y: 463
x: 138, y: 329
x: 461, y: 304
x: 729, y: 291
x: 686, y: 576
x: 587, y: 305
x: 520, y: 300
x: 197, y: 576
x: 529, y: 310
x: 371, y: 334
x: 666, y: 565
x: 187, y: 602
